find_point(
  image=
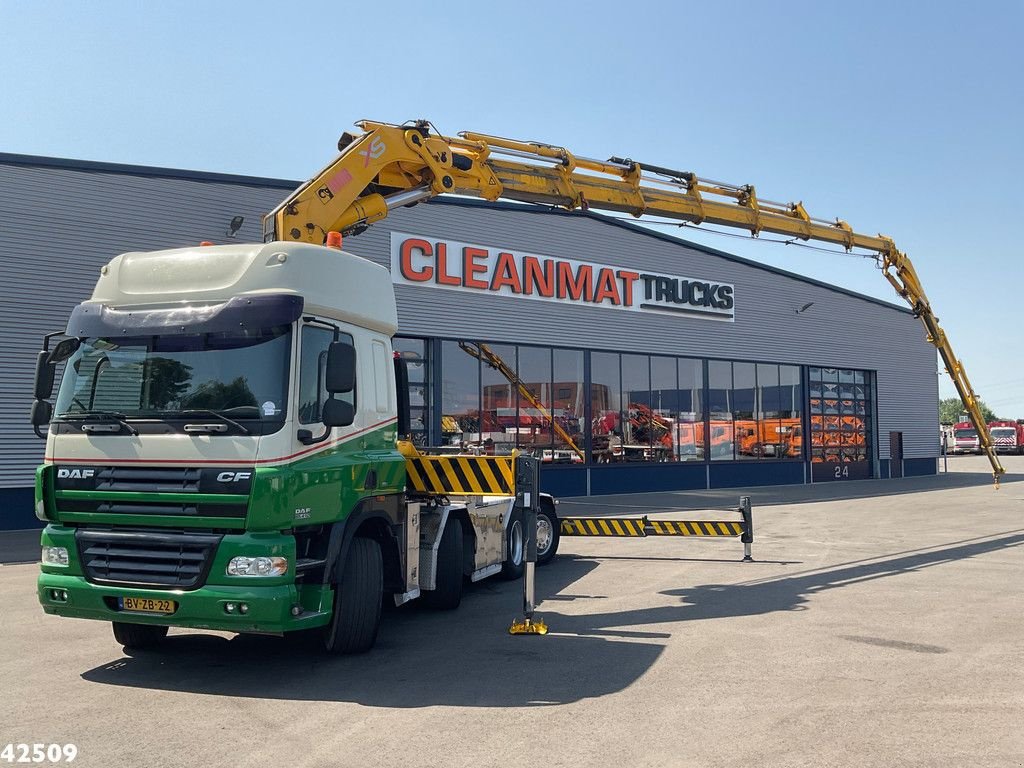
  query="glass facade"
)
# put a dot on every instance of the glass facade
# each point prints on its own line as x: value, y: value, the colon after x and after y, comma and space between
x: 570, y: 406
x: 756, y: 411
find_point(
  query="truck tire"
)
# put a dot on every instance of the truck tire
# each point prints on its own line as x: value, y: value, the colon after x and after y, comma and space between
x: 357, y: 599
x: 138, y: 636
x: 548, y: 533
x: 515, y: 558
x: 447, y: 592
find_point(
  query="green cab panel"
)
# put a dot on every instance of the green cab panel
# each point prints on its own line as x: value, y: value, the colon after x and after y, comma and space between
x: 325, y: 486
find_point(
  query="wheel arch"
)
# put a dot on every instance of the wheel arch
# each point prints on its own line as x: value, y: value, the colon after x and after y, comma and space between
x: 461, y: 514
x: 369, y: 523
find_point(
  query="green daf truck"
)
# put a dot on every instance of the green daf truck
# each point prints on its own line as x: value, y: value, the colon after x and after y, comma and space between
x: 223, y: 452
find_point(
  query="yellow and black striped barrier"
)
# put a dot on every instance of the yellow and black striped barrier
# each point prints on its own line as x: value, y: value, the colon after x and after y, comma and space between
x: 603, y: 526
x: 642, y: 527
x: 695, y: 528
x: 461, y: 475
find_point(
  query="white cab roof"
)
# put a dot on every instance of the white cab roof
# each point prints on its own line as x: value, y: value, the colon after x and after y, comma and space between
x: 332, y: 282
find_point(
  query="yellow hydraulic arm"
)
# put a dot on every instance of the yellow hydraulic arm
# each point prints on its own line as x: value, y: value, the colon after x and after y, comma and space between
x: 387, y: 166
x: 486, y: 354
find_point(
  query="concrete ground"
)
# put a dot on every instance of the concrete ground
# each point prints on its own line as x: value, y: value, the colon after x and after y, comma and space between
x: 880, y: 626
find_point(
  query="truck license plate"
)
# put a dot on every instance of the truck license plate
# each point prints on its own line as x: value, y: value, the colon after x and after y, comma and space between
x: 148, y: 605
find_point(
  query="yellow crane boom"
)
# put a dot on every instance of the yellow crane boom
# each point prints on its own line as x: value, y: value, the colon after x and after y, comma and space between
x: 388, y: 166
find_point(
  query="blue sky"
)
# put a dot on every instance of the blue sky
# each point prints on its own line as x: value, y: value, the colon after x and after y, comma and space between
x: 902, y: 118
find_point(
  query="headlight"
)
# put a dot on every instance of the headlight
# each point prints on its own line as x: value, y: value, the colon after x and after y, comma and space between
x: 55, y: 555
x: 257, y: 566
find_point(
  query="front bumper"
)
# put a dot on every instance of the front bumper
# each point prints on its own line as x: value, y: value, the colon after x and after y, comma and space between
x: 272, y: 602
x: 270, y: 608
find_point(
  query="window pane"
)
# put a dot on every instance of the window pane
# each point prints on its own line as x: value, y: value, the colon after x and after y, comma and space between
x: 691, y: 410
x: 665, y: 407
x: 770, y: 435
x: 605, y: 407
x: 535, y: 410
x: 499, y: 398
x: 790, y: 391
x: 638, y: 426
x: 768, y: 397
x: 790, y: 410
x: 312, y: 365
x: 720, y: 409
x: 460, y: 395
x: 748, y: 443
x: 568, y: 406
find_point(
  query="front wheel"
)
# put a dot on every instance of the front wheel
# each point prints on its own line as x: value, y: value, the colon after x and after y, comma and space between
x: 138, y: 636
x: 547, y: 533
x: 357, y: 599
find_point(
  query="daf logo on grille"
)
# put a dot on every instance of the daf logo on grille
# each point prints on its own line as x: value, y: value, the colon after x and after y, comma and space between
x: 75, y: 474
x: 233, y: 477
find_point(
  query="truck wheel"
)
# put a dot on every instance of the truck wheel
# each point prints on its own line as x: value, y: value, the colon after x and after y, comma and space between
x: 548, y: 533
x: 138, y: 636
x: 512, y: 568
x: 357, y: 598
x: 447, y: 593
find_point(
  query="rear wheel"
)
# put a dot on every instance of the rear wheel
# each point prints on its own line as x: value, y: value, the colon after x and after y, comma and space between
x: 138, y: 636
x: 547, y: 533
x: 357, y: 599
x: 447, y: 593
x: 512, y: 568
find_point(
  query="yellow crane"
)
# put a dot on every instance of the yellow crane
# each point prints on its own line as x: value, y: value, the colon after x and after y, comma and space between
x: 389, y: 166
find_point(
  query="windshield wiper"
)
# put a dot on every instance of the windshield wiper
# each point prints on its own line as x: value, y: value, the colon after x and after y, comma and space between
x: 216, y: 415
x: 120, y: 418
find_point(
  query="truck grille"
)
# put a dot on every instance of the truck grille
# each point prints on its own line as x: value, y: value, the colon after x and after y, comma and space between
x: 173, y: 480
x: 146, y: 558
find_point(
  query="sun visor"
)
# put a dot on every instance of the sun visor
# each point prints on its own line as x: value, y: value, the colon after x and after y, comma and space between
x: 241, y: 314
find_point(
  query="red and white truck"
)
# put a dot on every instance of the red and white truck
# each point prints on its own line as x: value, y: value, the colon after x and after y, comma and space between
x: 1007, y: 436
x: 965, y: 438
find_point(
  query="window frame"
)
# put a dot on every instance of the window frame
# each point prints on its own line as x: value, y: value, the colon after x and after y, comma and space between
x: 321, y: 395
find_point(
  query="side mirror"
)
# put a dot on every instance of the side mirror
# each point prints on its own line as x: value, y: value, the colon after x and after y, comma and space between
x: 42, y: 413
x: 340, y: 376
x: 45, y: 369
x: 64, y: 349
x: 338, y: 413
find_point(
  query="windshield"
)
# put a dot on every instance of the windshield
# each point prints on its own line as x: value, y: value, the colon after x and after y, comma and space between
x: 966, y: 433
x: 1003, y: 431
x: 242, y: 375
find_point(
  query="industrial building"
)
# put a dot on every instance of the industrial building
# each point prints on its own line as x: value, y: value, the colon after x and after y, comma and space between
x: 624, y: 358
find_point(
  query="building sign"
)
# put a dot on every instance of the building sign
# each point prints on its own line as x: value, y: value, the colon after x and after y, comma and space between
x: 451, y: 265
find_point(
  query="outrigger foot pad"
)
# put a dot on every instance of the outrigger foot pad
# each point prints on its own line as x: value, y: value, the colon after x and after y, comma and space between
x: 528, y: 627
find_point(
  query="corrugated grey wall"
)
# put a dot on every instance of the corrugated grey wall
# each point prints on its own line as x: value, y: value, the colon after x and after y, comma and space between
x: 61, y: 224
